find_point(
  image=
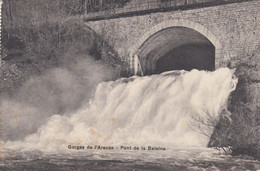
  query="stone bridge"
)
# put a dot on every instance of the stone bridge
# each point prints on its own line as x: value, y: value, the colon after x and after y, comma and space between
x: 159, y: 35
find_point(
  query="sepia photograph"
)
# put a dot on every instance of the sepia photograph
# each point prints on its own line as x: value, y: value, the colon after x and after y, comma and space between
x: 129, y: 85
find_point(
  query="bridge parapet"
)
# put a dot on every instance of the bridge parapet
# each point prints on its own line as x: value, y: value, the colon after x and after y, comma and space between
x: 137, y: 7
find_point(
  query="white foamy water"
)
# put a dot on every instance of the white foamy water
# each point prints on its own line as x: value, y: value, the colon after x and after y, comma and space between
x: 160, y: 110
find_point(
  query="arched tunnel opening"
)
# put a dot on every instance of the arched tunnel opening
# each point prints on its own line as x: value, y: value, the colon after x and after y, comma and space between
x: 176, y: 48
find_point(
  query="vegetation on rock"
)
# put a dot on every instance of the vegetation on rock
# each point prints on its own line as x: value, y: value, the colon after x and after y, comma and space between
x: 240, y: 133
x: 37, y: 37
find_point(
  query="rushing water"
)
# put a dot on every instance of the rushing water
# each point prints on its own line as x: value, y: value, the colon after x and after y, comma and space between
x: 149, y: 123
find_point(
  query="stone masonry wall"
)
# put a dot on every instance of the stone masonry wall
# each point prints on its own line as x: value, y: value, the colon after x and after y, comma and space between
x: 236, y: 25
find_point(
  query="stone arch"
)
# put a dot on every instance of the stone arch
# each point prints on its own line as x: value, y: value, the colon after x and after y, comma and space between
x: 134, y: 64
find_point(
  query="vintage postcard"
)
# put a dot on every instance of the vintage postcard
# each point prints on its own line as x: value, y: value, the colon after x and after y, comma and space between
x: 130, y: 85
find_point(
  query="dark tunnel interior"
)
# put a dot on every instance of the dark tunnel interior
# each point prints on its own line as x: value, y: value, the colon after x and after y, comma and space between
x: 176, y: 48
x: 188, y: 57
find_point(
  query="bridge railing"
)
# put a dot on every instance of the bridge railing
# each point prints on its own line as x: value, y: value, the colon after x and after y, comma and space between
x: 152, y: 5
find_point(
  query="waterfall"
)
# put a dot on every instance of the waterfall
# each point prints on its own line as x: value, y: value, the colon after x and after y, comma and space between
x: 171, y: 109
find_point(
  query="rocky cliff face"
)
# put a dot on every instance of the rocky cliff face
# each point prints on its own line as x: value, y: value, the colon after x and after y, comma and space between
x: 32, y: 51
